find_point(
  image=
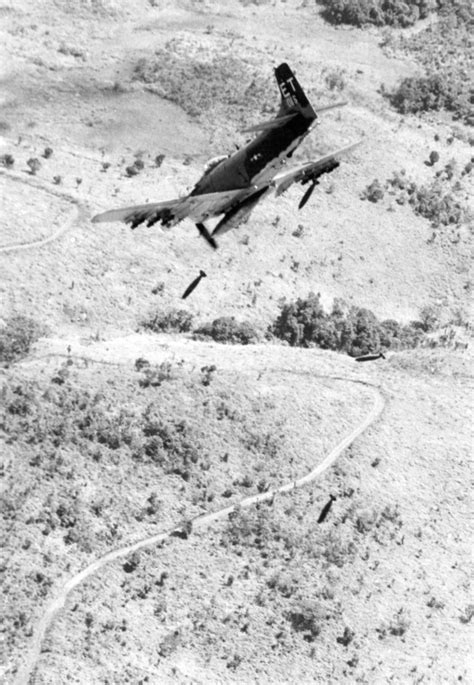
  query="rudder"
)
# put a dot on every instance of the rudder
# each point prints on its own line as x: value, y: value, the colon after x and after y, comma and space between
x: 293, y: 98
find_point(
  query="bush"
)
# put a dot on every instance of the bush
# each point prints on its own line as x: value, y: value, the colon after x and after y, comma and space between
x: 132, y: 170
x: 7, y: 161
x: 227, y: 330
x: 436, y: 201
x: 172, y: 320
x: 262, y: 530
x: 307, y: 618
x: 444, y: 50
x: 435, y: 91
x: 304, y: 322
x: 374, y: 191
x: 34, y: 164
x: 171, y: 445
x: 17, y: 336
x: 355, y: 330
x: 378, y: 12
x: 154, y: 376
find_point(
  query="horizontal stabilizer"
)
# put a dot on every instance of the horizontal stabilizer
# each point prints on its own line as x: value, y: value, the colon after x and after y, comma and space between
x: 333, y: 106
x: 269, y: 125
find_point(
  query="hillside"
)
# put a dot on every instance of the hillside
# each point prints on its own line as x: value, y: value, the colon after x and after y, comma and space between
x: 111, y: 435
x: 87, y: 104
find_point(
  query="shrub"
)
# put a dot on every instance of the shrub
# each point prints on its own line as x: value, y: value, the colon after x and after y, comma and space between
x: 171, y: 445
x: 207, y: 374
x: 34, y: 164
x: 399, y: 624
x: 355, y: 330
x: 227, y: 330
x: 172, y: 320
x: 444, y: 50
x: 361, y: 334
x: 374, y: 191
x: 17, y: 336
x: 262, y: 530
x: 132, y: 170
x: 378, y: 12
x: 304, y: 322
x: 307, y: 618
x: 48, y: 151
x: 7, y: 161
x: 334, y: 79
x: 435, y: 91
x: 436, y: 201
x: 155, y: 375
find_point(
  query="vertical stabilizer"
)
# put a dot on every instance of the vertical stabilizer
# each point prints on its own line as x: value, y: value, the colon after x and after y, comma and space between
x: 293, y: 98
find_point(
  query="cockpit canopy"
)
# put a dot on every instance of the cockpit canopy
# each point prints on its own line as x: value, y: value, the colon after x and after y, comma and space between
x: 212, y: 163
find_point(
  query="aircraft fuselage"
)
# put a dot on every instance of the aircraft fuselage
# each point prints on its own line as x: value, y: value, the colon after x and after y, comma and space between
x: 255, y: 165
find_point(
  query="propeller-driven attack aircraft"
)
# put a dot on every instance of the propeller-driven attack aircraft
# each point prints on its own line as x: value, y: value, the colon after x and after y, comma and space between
x: 232, y: 185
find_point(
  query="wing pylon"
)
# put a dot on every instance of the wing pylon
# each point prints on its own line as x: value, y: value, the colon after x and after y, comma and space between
x: 310, y: 171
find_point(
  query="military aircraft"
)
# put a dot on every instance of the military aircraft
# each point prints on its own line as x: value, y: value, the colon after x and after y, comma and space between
x: 232, y: 185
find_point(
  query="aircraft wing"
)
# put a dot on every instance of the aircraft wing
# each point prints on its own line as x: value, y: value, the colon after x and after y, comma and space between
x: 169, y: 213
x: 309, y: 171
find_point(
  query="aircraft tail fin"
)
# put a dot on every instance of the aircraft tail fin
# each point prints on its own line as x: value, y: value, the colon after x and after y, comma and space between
x: 293, y: 98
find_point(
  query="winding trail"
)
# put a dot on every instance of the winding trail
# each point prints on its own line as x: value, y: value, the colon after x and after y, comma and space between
x: 72, y: 218
x: 198, y: 523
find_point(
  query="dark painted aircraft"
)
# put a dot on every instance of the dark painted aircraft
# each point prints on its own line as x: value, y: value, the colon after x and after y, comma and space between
x: 231, y: 186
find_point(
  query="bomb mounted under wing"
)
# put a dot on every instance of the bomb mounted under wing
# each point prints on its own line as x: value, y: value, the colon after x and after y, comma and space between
x: 231, y: 186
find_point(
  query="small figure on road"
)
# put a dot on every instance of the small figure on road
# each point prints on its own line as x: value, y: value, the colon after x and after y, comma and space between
x: 193, y: 285
x: 326, y: 508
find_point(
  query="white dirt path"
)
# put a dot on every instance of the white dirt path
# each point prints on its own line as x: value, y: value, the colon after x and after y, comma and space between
x: 72, y: 218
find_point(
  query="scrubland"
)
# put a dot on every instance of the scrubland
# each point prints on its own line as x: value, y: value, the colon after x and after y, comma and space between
x: 125, y: 411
